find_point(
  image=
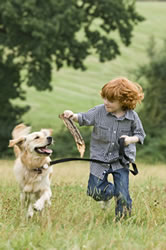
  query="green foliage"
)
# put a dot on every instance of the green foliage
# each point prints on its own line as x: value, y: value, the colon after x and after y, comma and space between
x: 35, y: 34
x: 154, y: 111
x: 10, y: 89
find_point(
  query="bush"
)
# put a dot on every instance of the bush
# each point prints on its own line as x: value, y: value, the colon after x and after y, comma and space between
x: 153, y: 114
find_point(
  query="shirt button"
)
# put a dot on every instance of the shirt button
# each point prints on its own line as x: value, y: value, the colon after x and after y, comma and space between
x: 104, y: 172
x: 113, y: 143
x: 114, y: 131
x: 110, y: 153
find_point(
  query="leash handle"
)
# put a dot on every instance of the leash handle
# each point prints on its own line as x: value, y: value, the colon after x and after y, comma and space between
x: 122, y: 155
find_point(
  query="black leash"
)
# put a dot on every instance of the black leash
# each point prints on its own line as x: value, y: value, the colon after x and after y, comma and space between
x: 122, y: 155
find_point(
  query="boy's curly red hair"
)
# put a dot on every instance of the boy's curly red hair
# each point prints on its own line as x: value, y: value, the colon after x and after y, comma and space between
x: 123, y: 90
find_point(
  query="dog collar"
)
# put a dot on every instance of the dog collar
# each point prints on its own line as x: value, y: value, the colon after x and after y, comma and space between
x: 40, y: 169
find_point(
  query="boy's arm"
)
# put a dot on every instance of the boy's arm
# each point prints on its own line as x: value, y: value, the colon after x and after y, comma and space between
x: 130, y: 139
x: 83, y: 118
x: 137, y: 131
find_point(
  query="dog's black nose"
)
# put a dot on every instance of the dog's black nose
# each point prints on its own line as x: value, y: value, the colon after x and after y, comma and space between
x: 49, y: 138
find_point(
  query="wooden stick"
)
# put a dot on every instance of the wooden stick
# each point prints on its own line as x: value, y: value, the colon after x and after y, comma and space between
x: 75, y: 133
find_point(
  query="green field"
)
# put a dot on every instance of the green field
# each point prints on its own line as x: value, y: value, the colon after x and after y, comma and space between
x: 76, y: 222
x: 79, y: 90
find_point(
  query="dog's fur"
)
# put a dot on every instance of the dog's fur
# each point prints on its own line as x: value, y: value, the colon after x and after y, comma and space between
x: 31, y: 154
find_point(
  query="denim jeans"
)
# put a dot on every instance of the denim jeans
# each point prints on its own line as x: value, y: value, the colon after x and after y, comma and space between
x: 102, y: 190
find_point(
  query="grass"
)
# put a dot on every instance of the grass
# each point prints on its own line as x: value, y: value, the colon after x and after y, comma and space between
x: 76, y: 222
x: 79, y: 91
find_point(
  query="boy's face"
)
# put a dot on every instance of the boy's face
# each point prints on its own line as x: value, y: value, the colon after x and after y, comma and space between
x: 112, y: 106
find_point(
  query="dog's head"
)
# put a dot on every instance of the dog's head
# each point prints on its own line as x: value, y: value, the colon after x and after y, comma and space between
x: 35, y: 143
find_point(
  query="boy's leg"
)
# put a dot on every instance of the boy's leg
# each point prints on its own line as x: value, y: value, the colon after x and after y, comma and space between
x: 100, y: 190
x: 122, y: 196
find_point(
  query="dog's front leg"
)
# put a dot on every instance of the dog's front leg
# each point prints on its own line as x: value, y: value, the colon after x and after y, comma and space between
x: 22, y: 199
x: 31, y: 198
x: 45, y: 197
x: 30, y: 211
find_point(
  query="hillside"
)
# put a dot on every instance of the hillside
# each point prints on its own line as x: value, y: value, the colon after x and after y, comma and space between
x: 78, y: 90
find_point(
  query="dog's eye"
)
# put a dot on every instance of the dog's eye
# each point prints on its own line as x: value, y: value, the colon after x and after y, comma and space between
x: 37, y: 137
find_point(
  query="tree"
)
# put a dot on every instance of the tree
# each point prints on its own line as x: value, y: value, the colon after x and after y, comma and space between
x: 35, y: 34
x: 154, y: 111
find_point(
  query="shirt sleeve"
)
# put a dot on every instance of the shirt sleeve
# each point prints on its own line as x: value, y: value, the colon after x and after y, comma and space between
x: 138, y: 128
x: 87, y: 118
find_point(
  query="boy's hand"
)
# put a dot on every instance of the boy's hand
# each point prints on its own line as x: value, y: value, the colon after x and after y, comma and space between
x: 129, y: 139
x: 68, y: 114
x: 71, y: 115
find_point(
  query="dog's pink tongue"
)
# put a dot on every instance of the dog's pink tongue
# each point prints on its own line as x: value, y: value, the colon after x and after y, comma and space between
x: 47, y: 150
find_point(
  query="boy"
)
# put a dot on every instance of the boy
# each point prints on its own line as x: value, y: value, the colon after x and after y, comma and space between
x: 112, y: 120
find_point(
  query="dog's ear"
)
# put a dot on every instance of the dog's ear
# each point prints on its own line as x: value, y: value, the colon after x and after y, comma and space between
x: 47, y: 132
x: 20, y: 130
x: 17, y: 142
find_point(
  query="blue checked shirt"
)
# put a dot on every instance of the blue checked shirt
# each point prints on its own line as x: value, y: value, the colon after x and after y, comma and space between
x: 107, y: 129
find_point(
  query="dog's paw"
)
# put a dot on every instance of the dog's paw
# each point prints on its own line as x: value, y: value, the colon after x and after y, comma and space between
x: 38, y: 206
x: 29, y: 214
x: 49, y: 203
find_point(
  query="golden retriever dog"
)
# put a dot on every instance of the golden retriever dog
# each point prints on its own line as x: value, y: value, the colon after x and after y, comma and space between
x: 31, y: 167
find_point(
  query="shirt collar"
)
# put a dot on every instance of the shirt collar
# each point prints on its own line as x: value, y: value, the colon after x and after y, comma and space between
x: 128, y: 115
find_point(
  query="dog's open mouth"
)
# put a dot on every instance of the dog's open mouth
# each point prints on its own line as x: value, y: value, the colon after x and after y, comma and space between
x: 43, y: 150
